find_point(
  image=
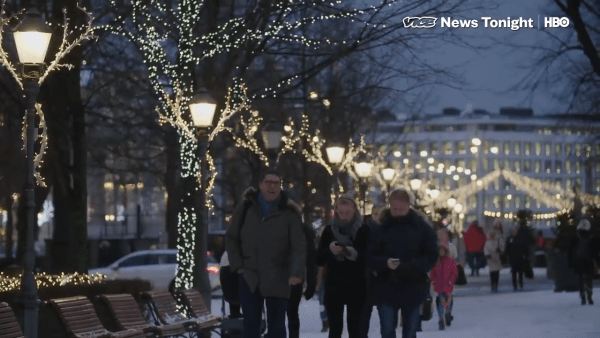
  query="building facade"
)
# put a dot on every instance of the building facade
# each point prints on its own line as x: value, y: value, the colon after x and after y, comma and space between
x: 562, y: 150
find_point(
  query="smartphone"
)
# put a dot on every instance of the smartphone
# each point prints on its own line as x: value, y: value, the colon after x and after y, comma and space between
x: 396, y: 260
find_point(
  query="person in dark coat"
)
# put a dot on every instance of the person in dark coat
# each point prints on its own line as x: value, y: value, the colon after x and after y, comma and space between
x: 582, y: 251
x: 311, y: 284
x: 401, y: 252
x: 517, y: 249
x: 341, y: 251
x: 373, y: 221
x: 266, y: 247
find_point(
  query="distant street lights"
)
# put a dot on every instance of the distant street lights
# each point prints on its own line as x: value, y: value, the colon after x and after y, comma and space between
x: 32, y: 37
x: 388, y: 174
x: 271, y: 135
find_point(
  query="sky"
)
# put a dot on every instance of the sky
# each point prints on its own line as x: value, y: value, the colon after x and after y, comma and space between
x: 489, y: 73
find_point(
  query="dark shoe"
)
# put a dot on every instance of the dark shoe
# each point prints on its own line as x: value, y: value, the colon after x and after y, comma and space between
x: 294, y: 334
x: 476, y: 272
x: 325, y: 326
x: 441, y: 324
x: 589, y: 298
x: 448, y: 317
x: 582, y: 296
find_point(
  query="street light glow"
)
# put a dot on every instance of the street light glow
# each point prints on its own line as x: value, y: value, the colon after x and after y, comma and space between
x: 388, y: 174
x: 397, y: 153
x: 202, y: 107
x: 32, y: 37
x: 451, y: 202
x: 476, y: 141
x: 494, y: 150
x: 458, y: 207
x: 335, y: 154
x: 423, y: 153
x: 415, y: 184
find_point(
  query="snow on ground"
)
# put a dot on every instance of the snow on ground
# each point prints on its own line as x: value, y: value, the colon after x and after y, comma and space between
x: 478, y: 313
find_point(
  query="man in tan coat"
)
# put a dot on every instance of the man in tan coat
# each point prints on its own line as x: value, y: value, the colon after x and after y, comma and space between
x: 267, y: 248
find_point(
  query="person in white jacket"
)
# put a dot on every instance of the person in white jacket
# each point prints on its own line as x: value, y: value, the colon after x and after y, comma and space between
x: 493, y: 249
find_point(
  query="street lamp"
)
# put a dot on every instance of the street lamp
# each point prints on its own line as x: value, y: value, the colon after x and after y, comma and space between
x: 32, y: 37
x: 202, y: 108
x: 335, y: 154
x: 272, y: 134
x: 415, y: 184
x: 451, y: 202
x: 363, y: 167
x: 388, y: 175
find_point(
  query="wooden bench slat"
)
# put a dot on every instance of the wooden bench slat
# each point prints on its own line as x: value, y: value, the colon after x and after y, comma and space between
x: 9, y: 326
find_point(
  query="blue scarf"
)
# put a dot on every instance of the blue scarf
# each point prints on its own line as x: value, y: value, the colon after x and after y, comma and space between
x: 265, y: 206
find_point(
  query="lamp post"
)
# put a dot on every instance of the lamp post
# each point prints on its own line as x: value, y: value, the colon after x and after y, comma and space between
x: 476, y: 150
x: 272, y: 134
x: 32, y: 37
x: 202, y: 108
x: 335, y: 155
x: 363, y: 167
x: 388, y: 173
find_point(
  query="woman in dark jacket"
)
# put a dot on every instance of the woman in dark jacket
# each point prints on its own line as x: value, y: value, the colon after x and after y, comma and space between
x: 518, y: 254
x: 341, y: 250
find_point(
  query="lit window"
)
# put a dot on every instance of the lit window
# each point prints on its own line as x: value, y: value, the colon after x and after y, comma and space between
x: 557, y: 149
x: 568, y: 184
x: 497, y: 184
x: 506, y: 201
x: 486, y: 147
x: 506, y: 148
x: 517, y: 201
x: 588, y: 150
x: 422, y: 147
x: 517, y: 166
x: 558, y: 166
x: 460, y: 147
x: 568, y: 149
x: 527, y: 201
x: 548, y: 148
x: 568, y: 167
x: 538, y: 148
x: 496, y: 164
x: 578, y: 183
x: 409, y: 148
x: 527, y: 166
x: 598, y: 149
x: 434, y: 148
x: 506, y: 164
x: 558, y: 183
x: 597, y: 185
x: 577, y: 167
x: 485, y: 163
x: 538, y: 166
x: 597, y: 168
x: 496, y: 201
x: 473, y: 164
x: 517, y: 146
x: 578, y: 149
x: 527, y: 148
x: 447, y: 148
x: 486, y: 201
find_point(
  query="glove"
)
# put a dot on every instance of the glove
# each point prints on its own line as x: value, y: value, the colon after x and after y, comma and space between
x: 310, y: 291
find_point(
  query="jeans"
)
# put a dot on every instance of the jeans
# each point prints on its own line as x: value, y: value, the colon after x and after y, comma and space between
x: 441, y: 309
x: 321, y: 297
x: 292, y: 311
x: 252, y: 307
x: 388, y: 317
x: 366, y: 318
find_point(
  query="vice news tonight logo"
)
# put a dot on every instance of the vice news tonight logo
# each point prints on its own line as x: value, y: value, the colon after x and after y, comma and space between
x: 486, y: 22
x: 419, y: 22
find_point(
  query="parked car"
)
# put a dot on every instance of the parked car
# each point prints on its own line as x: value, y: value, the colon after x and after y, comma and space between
x: 157, y: 266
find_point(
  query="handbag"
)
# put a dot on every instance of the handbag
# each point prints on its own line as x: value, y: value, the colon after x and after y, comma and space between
x: 462, y: 278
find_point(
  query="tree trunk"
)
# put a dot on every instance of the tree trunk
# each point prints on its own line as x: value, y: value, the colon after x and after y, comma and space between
x: 172, y: 181
x: 62, y: 103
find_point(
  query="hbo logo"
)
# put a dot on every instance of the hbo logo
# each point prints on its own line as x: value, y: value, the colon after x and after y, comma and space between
x: 556, y: 22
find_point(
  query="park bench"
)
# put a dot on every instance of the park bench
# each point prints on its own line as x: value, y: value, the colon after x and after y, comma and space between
x: 127, y: 315
x: 198, y: 308
x: 165, y: 308
x: 9, y: 326
x: 79, y: 318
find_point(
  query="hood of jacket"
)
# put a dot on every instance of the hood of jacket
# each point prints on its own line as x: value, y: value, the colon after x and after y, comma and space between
x: 251, y: 195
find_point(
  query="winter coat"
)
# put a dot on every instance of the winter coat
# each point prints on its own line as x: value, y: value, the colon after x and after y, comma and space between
x: 517, y: 249
x: 492, y: 250
x: 582, y: 250
x: 443, y: 275
x: 413, y: 241
x: 269, y: 249
x: 346, y: 275
x: 475, y: 239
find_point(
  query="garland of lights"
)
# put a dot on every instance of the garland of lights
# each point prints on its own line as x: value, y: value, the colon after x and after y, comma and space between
x: 64, y: 49
x: 43, y: 280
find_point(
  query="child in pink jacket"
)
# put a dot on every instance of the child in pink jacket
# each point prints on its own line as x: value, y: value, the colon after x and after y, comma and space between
x: 443, y: 275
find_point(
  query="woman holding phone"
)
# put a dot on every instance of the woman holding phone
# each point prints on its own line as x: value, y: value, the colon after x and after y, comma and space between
x: 341, y: 250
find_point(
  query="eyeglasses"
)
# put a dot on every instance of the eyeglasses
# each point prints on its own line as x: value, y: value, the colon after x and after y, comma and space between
x: 272, y: 182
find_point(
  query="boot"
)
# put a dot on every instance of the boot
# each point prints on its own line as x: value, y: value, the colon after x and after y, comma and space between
x: 448, y: 317
x: 441, y: 324
x: 589, y: 297
x: 294, y: 334
x: 582, y: 295
x: 325, y: 326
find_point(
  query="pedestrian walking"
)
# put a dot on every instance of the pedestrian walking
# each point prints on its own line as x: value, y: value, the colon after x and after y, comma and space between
x: 517, y: 249
x: 583, y: 249
x: 475, y: 239
x: 320, y: 289
x: 373, y: 221
x: 443, y: 276
x: 297, y: 290
x: 443, y: 236
x: 402, y: 251
x: 266, y: 246
x: 493, y: 249
x: 342, y: 251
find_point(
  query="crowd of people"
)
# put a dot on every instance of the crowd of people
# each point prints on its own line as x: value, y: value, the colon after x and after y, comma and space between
x: 393, y: 260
